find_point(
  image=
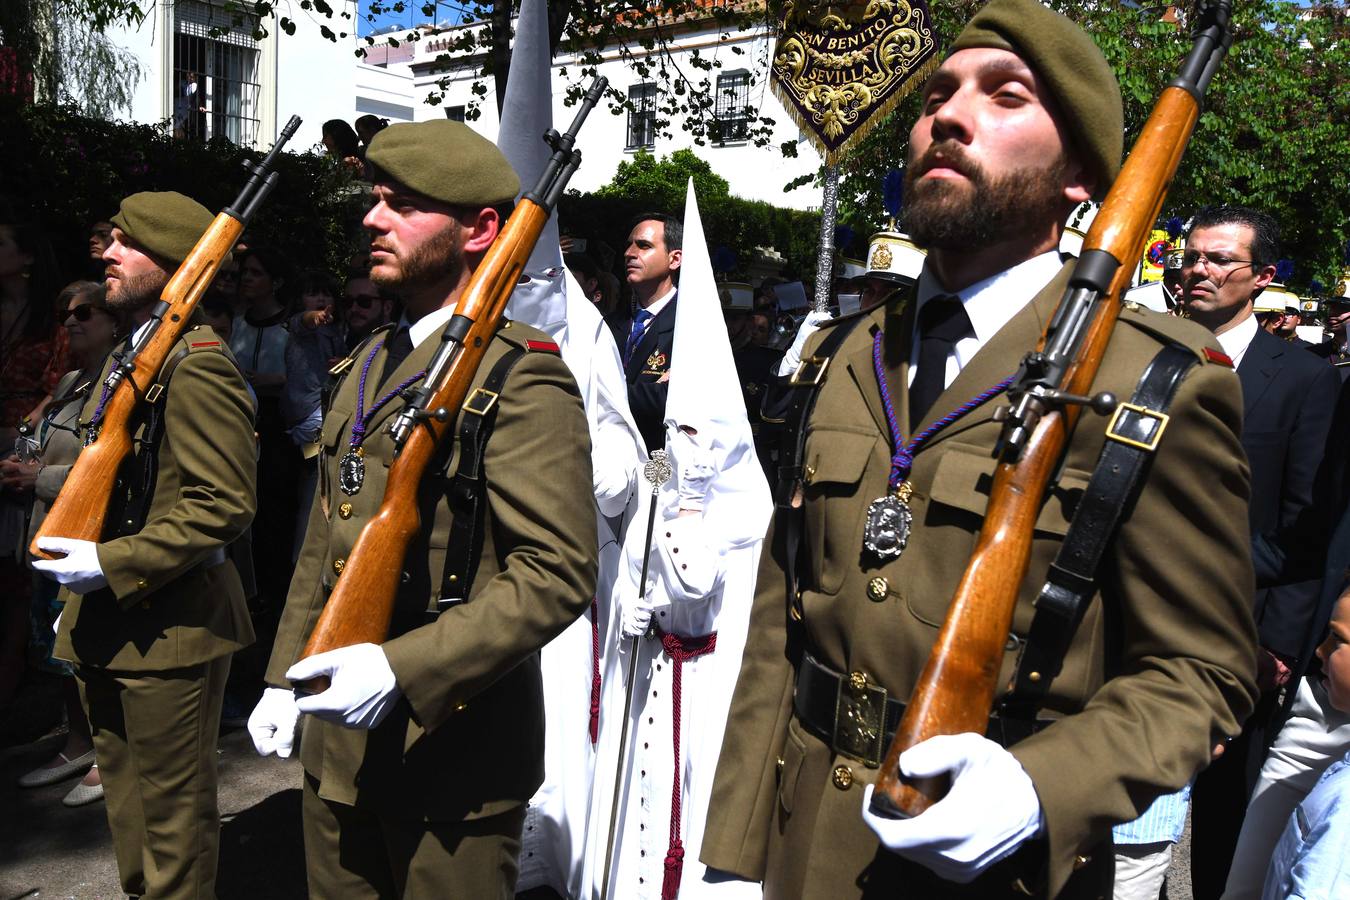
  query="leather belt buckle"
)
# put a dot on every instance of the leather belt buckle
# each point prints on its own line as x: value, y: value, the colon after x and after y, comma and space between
x: 1137, y: 426
x: 860, y: 720
x: 810, y: 371
x: 480, y: 402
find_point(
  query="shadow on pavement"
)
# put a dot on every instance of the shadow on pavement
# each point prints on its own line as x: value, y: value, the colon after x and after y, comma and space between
x: 261, y: 850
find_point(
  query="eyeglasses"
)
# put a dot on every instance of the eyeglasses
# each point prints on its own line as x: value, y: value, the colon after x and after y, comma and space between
x: 82, y: 313
x: 1218, y: 262
x: 364, y: 302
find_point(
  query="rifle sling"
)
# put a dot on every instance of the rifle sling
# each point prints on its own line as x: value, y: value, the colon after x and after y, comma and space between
x: 135, y: 497
x: 788, y: 518
x: 1113, y: 488
x: 467, y: 491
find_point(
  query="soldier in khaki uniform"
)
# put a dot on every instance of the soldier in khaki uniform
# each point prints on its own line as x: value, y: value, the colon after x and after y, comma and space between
x: 155, y: 609
x: 1022, y: 121
x: 421, y: 756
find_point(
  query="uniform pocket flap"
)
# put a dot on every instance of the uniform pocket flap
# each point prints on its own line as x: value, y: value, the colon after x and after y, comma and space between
x: 965, y: 478
x: 834, y: 456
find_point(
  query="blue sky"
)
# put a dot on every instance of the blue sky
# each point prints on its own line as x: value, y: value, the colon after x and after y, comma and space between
x: 411, y: 16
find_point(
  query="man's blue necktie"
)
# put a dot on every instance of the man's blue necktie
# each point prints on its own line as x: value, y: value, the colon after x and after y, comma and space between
x: 635, y: 333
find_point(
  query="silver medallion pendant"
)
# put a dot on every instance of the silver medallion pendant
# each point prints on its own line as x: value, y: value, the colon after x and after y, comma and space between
x: 888, y: 524
x: 351, y: 471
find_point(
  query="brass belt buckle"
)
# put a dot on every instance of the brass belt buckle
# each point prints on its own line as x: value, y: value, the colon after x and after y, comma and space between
x: 860, y: 720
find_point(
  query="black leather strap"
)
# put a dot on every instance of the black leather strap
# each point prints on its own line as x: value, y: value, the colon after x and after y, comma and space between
x: 788, y: 524
x: 136, y: 481
x: 1072, y: 579
x: 468, y: 487
x: 816, y: 704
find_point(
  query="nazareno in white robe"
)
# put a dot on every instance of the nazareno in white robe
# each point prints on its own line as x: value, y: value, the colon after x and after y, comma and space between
x: 701, y: 578
x: 552, y: 851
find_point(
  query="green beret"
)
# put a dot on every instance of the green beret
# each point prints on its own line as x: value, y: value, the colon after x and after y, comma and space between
x: 446, y: 161
x: 1066, y: 59
x: 166, y: 223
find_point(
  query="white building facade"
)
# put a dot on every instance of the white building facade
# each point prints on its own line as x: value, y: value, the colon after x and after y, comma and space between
x: 395, y: 82
x: 209, y: 76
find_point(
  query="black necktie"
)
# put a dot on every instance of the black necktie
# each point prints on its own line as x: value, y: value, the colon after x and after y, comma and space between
x: 395, y: 352
x: 942, y: 322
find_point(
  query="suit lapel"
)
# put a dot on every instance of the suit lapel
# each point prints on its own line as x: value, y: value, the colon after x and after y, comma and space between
x: 663, y: 323
x: 998, y: 358
x: 1260, y: 364
x: 858, y: 361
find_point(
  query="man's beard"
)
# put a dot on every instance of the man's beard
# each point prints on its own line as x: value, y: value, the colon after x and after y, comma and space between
x: 983, y: 212
x: 437, y: 260
x: 126, y: 294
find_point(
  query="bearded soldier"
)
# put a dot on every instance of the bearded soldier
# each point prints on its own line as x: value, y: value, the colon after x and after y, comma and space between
x: 1021, y: 122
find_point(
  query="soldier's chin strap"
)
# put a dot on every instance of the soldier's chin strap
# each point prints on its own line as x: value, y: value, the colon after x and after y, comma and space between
x: 1131, y: 439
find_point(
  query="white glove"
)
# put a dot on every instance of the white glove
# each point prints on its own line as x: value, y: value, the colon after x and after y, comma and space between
x: 272, y: 722
x: 78, y: 570
x: 793, y: 357
x: 697, y: 469
x: 990, y: 810
x: 362, y: 689
x: 635, y: 617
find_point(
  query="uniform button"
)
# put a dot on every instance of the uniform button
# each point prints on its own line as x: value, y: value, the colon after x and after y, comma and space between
x: 809, y: 474
x: 339, y: 564
x: 141, y: 584
x: 461, y: 707
x: 345, y: 510
x: 842, y: 778
x: 1081, y: 860
x: 778, y: 766
x: 876, y: 589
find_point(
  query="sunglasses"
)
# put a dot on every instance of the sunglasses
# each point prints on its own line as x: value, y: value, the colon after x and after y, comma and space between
x: 363, y: 302
x: 82, y: 313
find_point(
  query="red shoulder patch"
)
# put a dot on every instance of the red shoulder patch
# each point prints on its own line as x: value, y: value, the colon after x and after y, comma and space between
x: 545, y: 346
x: 1222, y: 359
x: 204, y: 344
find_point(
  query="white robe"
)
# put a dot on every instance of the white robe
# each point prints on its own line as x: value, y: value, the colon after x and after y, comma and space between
x: 697, y: 587
x: 552, y: 852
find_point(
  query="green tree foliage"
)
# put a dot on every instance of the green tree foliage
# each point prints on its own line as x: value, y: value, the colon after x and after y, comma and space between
x: 66, y: 171
x: 646, y: 184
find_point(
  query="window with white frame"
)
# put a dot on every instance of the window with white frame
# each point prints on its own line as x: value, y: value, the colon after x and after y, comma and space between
x: 731, y: 110
x: 216, y: 77
x: 642, y: 116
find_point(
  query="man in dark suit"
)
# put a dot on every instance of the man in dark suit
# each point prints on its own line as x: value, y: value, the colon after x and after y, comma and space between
x: 1288, y: 401
x: 651, y: 268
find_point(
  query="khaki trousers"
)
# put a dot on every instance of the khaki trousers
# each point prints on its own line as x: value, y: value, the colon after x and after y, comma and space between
x: 353, y: 853
x: 155, y: 738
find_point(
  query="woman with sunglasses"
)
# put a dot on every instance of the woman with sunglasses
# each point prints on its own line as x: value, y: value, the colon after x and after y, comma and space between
x: 92, y: 331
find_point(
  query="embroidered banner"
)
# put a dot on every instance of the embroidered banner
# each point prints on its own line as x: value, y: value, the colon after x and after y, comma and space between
x: 839, y: 68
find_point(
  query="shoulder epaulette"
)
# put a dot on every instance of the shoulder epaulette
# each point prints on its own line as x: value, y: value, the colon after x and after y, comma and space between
x: 1169, y: 329
x: 527, y: 337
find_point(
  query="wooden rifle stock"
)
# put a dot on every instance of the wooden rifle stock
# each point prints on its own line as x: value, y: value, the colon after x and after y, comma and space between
x: 81, y: 508
x: 361, y: 606
x: 955, y: 690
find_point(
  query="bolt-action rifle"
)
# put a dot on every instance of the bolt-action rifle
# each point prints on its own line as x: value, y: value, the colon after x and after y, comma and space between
x: 82, y: 506
x: 361, y: 606
x: 955, y: 691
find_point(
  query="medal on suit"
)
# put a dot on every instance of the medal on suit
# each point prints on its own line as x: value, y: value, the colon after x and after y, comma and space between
x: 352, y: 465
x: 888, y: 523
x: 889, y: 518
x: 352, y: 471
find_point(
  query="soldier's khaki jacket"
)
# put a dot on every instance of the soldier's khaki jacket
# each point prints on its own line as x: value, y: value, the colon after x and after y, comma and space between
x: 467, y: 740
x: 1162, y: 665
x: 169, y: 603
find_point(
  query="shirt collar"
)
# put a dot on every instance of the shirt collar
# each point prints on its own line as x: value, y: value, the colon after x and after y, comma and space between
x: 420, y: 330
x: 1237, y: 339
x: 991, y: 303
x: 660, y: 304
